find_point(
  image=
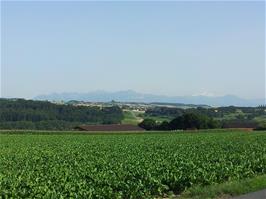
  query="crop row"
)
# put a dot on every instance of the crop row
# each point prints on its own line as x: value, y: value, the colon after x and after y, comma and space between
x: 125, y: 166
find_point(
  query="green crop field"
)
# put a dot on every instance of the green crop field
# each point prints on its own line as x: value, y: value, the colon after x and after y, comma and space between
x: 144, y: 165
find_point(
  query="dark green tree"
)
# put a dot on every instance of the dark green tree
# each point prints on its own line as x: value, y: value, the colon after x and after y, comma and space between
x: 148, y: 124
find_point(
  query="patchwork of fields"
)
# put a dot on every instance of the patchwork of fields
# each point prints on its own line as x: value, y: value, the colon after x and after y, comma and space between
x: 125, y: 166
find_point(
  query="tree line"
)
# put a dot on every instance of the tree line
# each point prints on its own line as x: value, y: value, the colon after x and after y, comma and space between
x: 182, y: 122
x: 30, y: 114
x: 218, y: 112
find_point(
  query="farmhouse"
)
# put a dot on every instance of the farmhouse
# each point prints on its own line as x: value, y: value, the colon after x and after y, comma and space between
x: 109, y: 127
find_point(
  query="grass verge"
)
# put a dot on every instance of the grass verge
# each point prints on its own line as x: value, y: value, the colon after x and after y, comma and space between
x: 226, y: 190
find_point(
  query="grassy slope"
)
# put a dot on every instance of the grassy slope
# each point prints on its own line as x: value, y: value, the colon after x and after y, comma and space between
x: 130, y: 118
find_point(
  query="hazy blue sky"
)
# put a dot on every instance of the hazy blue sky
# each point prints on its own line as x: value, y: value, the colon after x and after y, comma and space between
x: 173, y: 48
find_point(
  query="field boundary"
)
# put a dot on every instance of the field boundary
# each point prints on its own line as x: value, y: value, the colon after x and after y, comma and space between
x: 227, y: 189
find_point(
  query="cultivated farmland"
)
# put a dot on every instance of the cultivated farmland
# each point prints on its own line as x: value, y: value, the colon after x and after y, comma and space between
x: 125, y: 166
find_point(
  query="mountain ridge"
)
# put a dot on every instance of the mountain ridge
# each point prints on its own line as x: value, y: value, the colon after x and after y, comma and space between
x: 133, y: 96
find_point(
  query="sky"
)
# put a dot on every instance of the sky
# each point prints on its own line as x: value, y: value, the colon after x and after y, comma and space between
x: 169, y: 48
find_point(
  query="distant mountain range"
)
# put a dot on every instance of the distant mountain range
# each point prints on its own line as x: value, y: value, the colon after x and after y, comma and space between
x: 132, y: 96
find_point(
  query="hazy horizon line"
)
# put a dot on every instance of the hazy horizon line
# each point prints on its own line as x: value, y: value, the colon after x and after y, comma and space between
x: 203, y: 94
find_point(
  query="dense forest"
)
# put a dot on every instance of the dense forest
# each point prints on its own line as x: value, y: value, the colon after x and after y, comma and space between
x: 29, y: 114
